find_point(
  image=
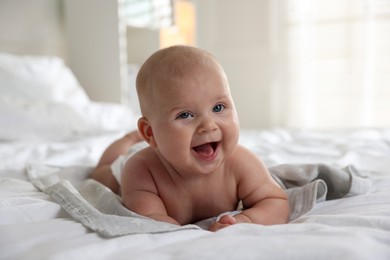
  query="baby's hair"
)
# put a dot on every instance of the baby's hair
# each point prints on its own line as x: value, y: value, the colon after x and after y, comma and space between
x: 173, y: 61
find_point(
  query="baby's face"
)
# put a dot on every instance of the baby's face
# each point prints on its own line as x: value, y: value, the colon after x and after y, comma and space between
x: 194, y: 122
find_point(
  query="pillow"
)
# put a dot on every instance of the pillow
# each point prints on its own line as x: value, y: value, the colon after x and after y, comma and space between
x: 41, y: 99
x: 22, y: 119
x: 41, y: 78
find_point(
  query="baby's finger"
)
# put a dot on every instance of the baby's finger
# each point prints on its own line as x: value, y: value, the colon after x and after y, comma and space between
x: 228, y: 220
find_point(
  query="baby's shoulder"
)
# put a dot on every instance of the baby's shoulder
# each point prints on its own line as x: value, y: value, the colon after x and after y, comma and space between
x: 243, y: 160
x: 241, y: 153
x: 141, y: 165
x: 142, y: 159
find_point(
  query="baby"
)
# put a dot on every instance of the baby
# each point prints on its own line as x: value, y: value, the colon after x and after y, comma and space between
x: 193, y: 167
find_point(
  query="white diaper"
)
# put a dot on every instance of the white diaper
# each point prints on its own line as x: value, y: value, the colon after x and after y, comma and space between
x: 117, y: 165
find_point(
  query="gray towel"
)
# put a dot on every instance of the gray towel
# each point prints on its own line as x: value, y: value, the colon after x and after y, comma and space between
x: 97, y: 208
x: 308, y: 184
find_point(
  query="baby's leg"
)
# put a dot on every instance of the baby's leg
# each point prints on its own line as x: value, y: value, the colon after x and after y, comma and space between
x: 102, y: 173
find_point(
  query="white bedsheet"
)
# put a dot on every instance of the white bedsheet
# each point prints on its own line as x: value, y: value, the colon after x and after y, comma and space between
x: 33, y: 226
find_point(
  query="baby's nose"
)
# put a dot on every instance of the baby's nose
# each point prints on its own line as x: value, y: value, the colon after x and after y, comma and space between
x: 207, y: 125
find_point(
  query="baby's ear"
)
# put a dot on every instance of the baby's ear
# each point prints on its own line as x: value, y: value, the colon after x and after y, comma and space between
x: 146, y: 131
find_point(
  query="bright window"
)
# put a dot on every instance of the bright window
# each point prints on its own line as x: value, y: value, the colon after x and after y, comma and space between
x: 339, y: 63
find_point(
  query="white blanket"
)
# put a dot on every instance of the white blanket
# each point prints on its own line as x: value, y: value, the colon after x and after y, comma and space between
x: 357, y: 226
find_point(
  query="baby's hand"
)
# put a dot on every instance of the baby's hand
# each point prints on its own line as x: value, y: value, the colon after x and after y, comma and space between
x: 224, y: 221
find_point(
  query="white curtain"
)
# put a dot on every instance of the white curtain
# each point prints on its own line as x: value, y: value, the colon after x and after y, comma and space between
x: 338, y: 63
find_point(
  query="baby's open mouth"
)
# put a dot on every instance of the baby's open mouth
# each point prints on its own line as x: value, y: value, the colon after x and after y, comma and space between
x: 206, y: 150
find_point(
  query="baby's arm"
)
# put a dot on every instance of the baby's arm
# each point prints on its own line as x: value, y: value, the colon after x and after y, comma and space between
x: 264, y: 201
x: 139, y: 192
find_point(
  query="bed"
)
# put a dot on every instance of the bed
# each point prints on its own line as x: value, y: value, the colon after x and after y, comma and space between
x: 52, y: 135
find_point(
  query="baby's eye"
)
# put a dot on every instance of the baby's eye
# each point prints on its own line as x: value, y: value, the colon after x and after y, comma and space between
x: 184, y: 115
x: 218, y: 108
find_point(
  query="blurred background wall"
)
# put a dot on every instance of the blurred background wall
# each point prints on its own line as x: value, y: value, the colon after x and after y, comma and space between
x: 298, y: 63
